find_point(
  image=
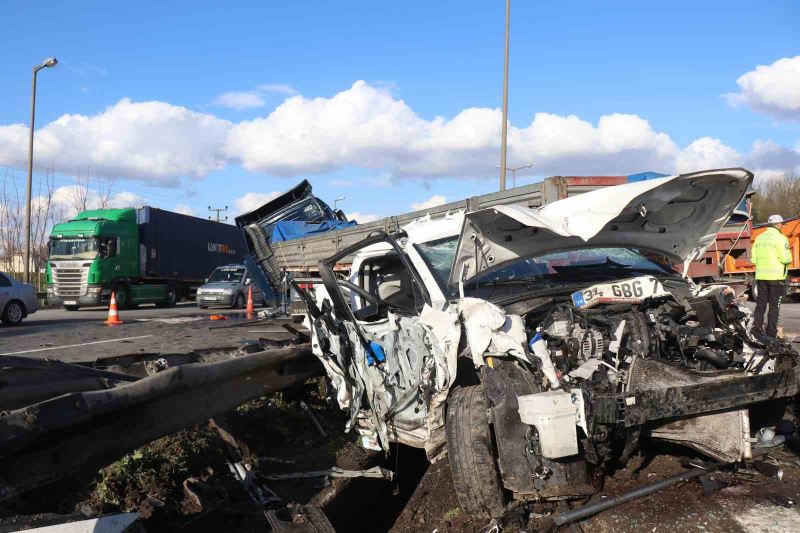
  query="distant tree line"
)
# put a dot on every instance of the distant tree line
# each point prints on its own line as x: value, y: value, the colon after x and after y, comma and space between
x: 777, y: 196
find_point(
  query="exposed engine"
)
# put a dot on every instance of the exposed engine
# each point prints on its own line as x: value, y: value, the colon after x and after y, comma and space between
x: 702, y: 331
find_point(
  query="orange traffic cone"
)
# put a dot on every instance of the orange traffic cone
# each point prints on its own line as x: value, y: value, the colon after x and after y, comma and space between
x: 251, y: 309
x: 113, y: 314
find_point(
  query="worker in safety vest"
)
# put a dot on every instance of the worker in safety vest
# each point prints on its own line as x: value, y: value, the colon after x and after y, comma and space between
x: 771, y: 256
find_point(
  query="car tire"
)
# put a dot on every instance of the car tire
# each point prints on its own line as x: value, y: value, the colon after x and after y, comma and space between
x: 202, y: 306
x: 471, y: 450
x: 13, y: 313
x: 72, y: 307
x: 238, y: 302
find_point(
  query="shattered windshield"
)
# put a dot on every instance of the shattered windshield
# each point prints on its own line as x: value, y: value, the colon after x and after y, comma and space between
x: 569, y: 267
x: 439, y: 256
x: 226, y: 275
x: 74, y: 248
x: 547, y: 270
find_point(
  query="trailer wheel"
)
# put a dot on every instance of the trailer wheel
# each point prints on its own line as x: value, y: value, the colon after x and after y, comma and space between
x: 472, y: 453
x: 172, y: 296
x: 754, y: 291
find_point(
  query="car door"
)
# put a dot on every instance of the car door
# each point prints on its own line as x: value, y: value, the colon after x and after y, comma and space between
x: 6, y: 290
x: 376, y: 341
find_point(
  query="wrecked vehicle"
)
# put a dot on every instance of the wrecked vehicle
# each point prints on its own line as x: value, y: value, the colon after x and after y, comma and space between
x: 536, y: 346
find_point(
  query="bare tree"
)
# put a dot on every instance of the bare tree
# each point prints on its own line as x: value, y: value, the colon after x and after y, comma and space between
x: 777, y: 196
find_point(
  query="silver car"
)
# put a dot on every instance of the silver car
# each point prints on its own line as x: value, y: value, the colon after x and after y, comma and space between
x: 228, y: 286
x: 17, y: 300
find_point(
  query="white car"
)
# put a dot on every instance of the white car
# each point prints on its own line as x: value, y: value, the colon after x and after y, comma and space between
x: 536, y: 346
x: 17, y: 300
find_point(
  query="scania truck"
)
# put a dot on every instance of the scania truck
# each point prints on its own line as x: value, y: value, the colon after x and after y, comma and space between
x: 142, y: 255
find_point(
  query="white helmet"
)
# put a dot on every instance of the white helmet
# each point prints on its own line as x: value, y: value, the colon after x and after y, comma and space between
x: 775, y: 219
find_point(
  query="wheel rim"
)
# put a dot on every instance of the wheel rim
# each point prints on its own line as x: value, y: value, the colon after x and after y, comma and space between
x: 14, y: 312
x: 239, y: 302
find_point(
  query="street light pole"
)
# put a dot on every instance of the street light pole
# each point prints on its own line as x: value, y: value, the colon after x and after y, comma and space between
x: 514, y: 173
x: 336, y: 201
x: 503, y: 142
x: 47, y: 63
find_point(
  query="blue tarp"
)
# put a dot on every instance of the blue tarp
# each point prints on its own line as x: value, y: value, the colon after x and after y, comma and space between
x: 286, y: 230
x: 643, y: 176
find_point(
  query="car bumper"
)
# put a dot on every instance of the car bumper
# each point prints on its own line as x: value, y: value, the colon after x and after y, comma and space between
x: 214, y: 299
x: 87, y: 300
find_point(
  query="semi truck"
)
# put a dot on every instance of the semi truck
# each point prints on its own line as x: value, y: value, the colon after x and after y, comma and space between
x: 142, y: 255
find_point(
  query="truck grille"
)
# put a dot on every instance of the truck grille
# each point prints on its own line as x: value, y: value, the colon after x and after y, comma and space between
x: 70, y: 281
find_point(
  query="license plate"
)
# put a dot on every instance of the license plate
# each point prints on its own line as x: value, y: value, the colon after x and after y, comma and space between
x: 70, y: 302
x: 634, y: 290
x: 211, y: 298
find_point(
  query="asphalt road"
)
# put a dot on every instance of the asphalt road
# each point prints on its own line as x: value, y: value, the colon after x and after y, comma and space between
x: 83, y: 336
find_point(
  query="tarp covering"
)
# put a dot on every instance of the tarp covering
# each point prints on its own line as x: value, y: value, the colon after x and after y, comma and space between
x: 286, y: 230
x: 643, y: 176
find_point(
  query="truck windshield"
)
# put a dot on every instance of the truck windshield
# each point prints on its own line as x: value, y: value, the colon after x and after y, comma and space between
x: 547, y: 270
x: 74, y: 248
x: 226, y: 275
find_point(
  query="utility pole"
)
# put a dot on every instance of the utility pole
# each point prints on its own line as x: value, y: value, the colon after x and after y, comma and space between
x: 47, y: 63
x: 218, y: 210
x: 504, y: 141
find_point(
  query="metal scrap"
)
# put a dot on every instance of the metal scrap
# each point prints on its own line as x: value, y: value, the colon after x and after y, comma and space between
x: 312, y: 416
x: 84, y: 431
x: 376, y: 472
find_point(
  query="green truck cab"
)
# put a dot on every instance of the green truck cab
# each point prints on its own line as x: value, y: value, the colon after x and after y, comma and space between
x: 143, y: 255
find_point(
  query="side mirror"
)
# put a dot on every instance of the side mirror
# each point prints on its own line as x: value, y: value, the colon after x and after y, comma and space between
x: 248, y: 281
x: 205, y: 280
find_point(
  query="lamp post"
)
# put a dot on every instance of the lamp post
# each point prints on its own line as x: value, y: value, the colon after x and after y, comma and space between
x: 504, y: 140
x: 47, y: 63
x: 514, y: 173
x: 340, y: 199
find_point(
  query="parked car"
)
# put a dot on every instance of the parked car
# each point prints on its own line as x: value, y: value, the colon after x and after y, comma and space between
x: 17, y: 300
x: 535, y: 347
x: 228, y: 286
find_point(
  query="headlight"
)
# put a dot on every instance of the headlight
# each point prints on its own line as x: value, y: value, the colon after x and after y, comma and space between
x: 199, y: 291
x: 227, y: 291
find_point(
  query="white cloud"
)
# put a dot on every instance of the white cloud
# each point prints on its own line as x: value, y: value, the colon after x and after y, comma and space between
x: 773, y: 89
x: 68, y: 199
x: 253, y: 200
x: 185, y: 210
x: 280, y: 88
x: 367, y: 127
x: 363, y: 218
x: 433, y: 201
x: 706, y: 153
x: 364, y: 127
x: 152, y: 141
x: 240, y: 100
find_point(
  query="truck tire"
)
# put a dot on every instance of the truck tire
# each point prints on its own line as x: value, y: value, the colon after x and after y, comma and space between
x: 472, y: 454
x: 172, y: 296
x: 72, y: 307
x: 122, y: 295
x: 13, y: 313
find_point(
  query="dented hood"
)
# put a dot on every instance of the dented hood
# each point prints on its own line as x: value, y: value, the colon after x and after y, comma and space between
x: 677, y: 216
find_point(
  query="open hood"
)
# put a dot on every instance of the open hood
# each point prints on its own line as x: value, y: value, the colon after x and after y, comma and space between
x: 677, y: 216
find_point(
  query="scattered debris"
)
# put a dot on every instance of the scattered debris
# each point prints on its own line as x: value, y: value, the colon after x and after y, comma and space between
x: 769, y: 469
x: 217, y: 317
x: 313, y: 418
x: 374, y: 472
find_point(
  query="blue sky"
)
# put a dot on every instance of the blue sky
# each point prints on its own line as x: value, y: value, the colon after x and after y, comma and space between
x: 662, y: 70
